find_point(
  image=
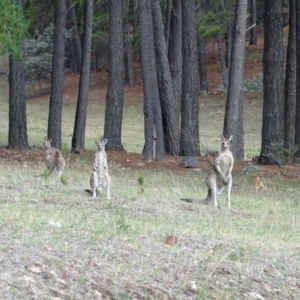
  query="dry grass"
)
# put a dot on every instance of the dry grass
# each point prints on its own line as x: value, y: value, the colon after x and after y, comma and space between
x: 57, y: 242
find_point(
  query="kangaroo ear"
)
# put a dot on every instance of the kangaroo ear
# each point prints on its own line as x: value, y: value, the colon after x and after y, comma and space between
x: 222, y: 136
x: 105, y: 141
x: 230, y: 138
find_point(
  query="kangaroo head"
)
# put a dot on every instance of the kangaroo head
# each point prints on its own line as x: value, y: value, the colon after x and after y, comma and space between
x: 101, y: 145
x: 225, y: 143
x: 47, y: 142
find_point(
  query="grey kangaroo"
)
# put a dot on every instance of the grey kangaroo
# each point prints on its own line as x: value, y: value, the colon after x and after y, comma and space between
x: 100, y: 179
x: 220, y: 177
x: 54, y: 159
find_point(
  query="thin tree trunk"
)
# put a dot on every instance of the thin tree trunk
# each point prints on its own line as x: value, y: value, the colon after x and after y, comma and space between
x: 170, y: 118
x: 297, y: 130
x: 128, y: 52
x: 154, y: 139
x: 168, y: 22
x: 222, y: 61
x: 57, y: 76
x: 83, y: 94
x: 202, y: 66
x: 233, y: 119
x: 290, y: 82
x: 75, y: 44
x: 253, y: 30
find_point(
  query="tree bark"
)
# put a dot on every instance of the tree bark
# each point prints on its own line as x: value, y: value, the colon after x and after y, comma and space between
x: 154, y: 139
x: 253, y: 20
x: 273, y: 106
x: 83, y: 94
x: 233, y: 119
x: 115, y: 89
x: 297, y: 130
x: 189, y: 138
x: 175, y: 55
x: 17, y: 130
x: 74, y: 41
x: 224, y: 70
x: 57, y: 76
x: 168, y: 104
x: 290, y: 82
x: 128, y: 52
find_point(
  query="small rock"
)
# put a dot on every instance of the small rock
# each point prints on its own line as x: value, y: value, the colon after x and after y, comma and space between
x: 35, y: 270
x: 188, y: 162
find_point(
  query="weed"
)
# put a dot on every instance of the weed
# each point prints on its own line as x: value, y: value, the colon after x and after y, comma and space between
x: 64, y: 180
x: 141, y: 183
x: 282, y: 155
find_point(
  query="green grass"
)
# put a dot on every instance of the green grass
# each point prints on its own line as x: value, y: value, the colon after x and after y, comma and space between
x: 58, y: 242
x: 116, y: 247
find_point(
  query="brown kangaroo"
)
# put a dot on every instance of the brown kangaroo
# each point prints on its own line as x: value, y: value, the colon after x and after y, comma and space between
x: 54, y: 159
x: 100, y: 179
x: 220, y: 177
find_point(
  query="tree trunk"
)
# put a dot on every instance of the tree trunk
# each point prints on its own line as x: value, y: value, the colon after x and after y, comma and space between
x: 273, y: 107
x: 168, y: 22
x: 17, y: 132
x: 115, y: 89
x: 233, y: 119
x: 168, y: 103
x: 222, y: 61
x: 202, y: 66
x: 57, y: 76
x: 83, y: 94
x: 290, y: 82
x: 154, y: 139
x: 175, y: 55
x: 189, y: 139
x: 297, y: 130
x: 253, y: 30
x: 128, y: 52
x: 74, y: 41
x: 201, y: 54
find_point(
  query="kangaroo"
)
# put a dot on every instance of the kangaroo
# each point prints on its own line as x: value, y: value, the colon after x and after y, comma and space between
x: 100, y: 179
x: 220, y: 177
x: 54, y: 159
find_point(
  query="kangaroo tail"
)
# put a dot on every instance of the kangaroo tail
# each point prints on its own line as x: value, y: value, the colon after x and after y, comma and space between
x: 89, y: 191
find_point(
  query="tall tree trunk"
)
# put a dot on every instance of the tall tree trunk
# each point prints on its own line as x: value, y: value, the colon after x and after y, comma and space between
x: 168, y: 22
x: 224, y: 71
x: 170, y: 118
x: 202, y: 66
x: 74, y: 41
x: 273, y: 107
x: 83, y: 94
x: 128, y: 51
x: 201, y: 53
x: 115, y: 89
x: 189, y: 138
x: 233, y: 119
x: 290, y: 82
x: 297, y: 131
x: 154, y: 138
x: 175, y: 56
x: 17, y: 130
x: 57, y: 76
x: 253, y: 30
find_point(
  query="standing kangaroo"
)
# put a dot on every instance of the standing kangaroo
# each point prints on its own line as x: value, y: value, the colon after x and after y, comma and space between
x: 54, y: 159
x: 220, y: 177
x: 100, y: 179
